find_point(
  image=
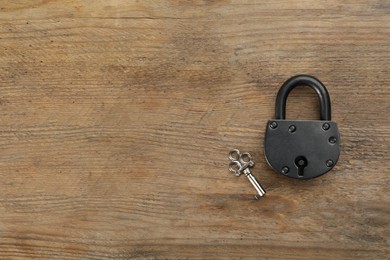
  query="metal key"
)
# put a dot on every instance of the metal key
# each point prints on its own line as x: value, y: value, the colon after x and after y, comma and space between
x: 241, y: 164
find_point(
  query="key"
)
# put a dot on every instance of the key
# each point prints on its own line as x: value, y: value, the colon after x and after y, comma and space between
x: 241, y: 164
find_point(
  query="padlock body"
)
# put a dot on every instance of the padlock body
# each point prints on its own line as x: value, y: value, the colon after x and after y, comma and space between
x: 302, y: 149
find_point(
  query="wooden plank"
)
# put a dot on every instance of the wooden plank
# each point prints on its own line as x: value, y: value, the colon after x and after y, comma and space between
x: 117, y: 116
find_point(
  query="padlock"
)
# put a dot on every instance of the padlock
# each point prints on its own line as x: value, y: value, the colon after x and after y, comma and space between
x: 302, y: 149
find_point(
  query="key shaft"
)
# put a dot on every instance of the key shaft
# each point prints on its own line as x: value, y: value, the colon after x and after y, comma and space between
x: 260, y: 190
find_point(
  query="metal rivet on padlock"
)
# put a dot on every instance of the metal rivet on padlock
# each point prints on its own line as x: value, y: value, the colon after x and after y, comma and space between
x: 302, y: 149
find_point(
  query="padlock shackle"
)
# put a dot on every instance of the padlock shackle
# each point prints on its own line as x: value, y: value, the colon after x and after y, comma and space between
x: 315, y: 84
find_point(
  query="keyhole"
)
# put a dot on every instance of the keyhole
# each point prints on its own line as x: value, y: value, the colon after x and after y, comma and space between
x: 301, y: 163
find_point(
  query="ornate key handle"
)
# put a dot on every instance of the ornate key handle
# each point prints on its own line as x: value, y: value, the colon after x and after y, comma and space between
x: 240, y: 162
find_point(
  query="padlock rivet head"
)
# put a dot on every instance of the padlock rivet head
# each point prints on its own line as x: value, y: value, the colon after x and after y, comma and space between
x: 329, y: 163
x: 285, y: 170
x: 292, y: 128
x: 332, y: 140
x: 273, y: 125
x: 326, y: 126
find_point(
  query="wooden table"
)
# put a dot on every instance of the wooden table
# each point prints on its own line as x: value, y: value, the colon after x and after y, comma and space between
x: 116, y: 118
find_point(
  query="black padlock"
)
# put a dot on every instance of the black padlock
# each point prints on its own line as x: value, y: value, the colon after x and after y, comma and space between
x: 302, y: 149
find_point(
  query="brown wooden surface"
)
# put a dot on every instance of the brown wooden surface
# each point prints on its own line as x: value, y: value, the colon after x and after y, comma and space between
x: 116, y: 118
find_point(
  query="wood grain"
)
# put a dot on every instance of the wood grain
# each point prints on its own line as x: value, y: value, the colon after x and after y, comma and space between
x: 116, y: 118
